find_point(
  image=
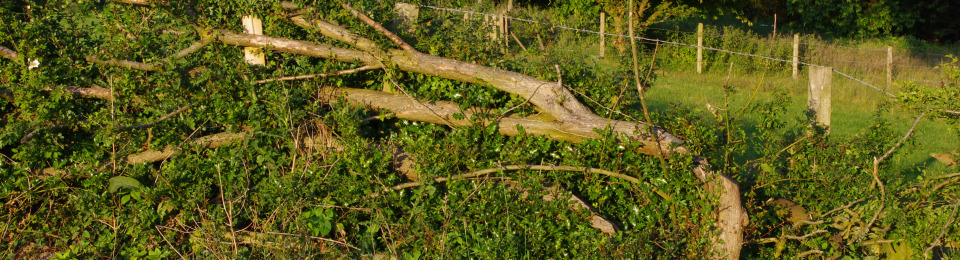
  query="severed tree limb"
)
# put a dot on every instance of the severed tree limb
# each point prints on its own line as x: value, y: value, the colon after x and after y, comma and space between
x: 90, y: 92
x: 8, y: 53
x: 134, y: 2
x: 320, y: 75
x: 204, y: 41
x: 393, y: 37
x: 210, y: 141
x: 558, y: 103
x: 158, y: 120
x: 926, y: 252
x: 328, y: 29
x: 123, y: 63
x: 150, y: 156
x: 876, y: 170
x: 558, y: 106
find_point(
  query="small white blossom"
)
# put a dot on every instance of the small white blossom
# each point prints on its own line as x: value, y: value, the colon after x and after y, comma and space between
x: 457, y: 95
x: 33, y: 64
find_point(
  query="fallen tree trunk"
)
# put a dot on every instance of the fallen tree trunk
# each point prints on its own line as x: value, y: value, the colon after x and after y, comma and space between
x: 564, y: 117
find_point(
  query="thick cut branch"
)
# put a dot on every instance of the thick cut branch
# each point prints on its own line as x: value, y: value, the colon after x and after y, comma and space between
x: 91, y: 92
x: 8, y: 53
x: 321, y: 75
x: 553, y: 100
x: 210, y: 141
x: 442, y: 112
x: 123, y: 63
x: 151, y: 66
x: 366, y: 19
x: 150, y: 156
x: 328, y: 29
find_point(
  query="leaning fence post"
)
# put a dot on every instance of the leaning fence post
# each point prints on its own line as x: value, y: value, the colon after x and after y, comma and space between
x: 796, y: 56
x: 889, y: 65
x: 253, y: 55
x: 603, y: 33
x: 818, y: 104
x: 699, y: 48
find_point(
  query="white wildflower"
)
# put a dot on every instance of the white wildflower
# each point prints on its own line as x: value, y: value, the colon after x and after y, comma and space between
x: 33, y: 64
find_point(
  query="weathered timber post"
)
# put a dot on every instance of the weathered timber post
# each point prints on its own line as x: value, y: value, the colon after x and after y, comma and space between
x: 603, y: 34
x: 505, y: 30
x: 818, y: 104
x: 407, y: 16
x: 889, y: 65
x: 253, y: 55
x: 796, y: 56
x: 699, y: 48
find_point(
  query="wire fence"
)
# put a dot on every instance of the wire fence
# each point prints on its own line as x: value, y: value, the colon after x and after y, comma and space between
x: 825, y: 50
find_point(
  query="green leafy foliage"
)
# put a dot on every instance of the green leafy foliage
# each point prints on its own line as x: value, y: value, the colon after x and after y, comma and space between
x: 69, y: 192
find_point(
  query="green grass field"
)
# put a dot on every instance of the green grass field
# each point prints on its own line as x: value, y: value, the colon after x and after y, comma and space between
x: 854, y: 106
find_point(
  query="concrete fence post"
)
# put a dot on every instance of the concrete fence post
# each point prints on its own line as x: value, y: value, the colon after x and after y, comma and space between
x: 699, y: 48
x: 252, y: 55
x: 818, y: 104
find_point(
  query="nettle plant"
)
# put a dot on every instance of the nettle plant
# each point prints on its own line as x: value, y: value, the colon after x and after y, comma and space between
x: 136, y: 129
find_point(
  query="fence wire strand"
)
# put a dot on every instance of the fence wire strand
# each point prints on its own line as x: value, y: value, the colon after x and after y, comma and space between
x: 652, y: 40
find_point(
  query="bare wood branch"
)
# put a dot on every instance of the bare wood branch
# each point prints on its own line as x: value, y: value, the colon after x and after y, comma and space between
x: 943, y: 230
x: 518, y: 41
x: 312, y: 49
x: 123, y: 63
x: 558, y: 103
x: 164, y: 117
x: 327, y: 28
x: 946, y: 176
x: 393, y: 37
x: 210, y: 141
x: 320, y: 75
x: 204, y: 41
x: 815, y: 232
x: 134, y: 2
x: 150, y: 156
x: 905, y: 136
x: 810, y: 253
x: 90, y: 92
x: 8, y: 53
x: 636, y: 78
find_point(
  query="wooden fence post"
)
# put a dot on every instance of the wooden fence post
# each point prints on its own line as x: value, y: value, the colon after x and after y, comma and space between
x: 796, y: 56
x: 818, y: 104
x: 603, y: 34
x: 889, y: 65
x: 699, y: 48
x: 252, y: 55
x: 407, y: 16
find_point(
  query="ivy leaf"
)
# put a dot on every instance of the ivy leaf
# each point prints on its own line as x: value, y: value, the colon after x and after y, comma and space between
x: 124, y: 182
